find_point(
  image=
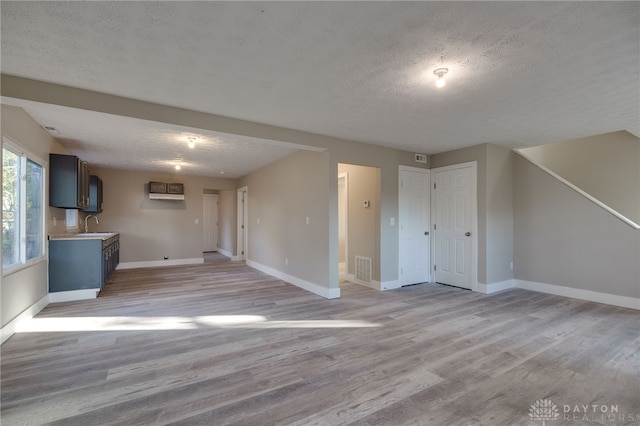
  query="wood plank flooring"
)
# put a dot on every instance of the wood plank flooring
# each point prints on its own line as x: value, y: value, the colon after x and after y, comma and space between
x: 223, y: 344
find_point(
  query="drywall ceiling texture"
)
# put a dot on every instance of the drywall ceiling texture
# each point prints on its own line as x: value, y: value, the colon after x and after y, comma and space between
x: 119, y: 142
x: 520, y: 73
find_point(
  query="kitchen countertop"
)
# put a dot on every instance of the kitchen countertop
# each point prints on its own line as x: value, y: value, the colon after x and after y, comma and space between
x: 83, y: 236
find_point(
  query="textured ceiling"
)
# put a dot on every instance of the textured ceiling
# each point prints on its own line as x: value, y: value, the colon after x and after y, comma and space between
x: 125, y: 143
x: 520, y: 73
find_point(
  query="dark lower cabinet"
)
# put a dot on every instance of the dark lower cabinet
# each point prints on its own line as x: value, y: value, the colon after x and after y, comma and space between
x: 110, y: 258
x: 82, y: 263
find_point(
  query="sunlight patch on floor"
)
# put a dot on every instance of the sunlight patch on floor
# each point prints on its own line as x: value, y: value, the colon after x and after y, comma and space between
x: 69, y: 324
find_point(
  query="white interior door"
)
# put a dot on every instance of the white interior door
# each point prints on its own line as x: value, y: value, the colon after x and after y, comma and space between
x: 454, y: 224
x: 413, y: 221
x: 210, y: 222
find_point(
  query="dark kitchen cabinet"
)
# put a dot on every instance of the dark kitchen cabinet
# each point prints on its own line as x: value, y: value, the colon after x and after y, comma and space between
x: 95, y: 195
x: 83, y: 263
x: 68, y: 182
x: 110, y: 257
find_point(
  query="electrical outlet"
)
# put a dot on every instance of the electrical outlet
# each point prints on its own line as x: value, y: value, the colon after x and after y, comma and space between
x: 511, y: 265
x: 392, y: 221
x: 307, y: 220
x: 197, y: 221
x: 286, y: 261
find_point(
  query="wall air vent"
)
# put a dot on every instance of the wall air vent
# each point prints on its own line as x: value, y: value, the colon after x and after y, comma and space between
x: 166, y: 191
x: 363, y: 271
x: 421, y: 158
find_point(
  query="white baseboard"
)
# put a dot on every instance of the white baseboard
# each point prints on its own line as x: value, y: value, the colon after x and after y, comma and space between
x: 10, y: 329
x: 328, y: 293
x: 228, y: 254
x: 349, y: 277
x: 389, y: 285
x: 72, y: 295
x: 493, y: 287
x: 352, y: 279
x: 376, y: 285
x: 592, y: 296
x: 156, y: 263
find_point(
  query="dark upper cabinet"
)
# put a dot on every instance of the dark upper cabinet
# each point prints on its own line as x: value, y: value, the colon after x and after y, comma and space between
x: 68, y: 182
x: 95, y: 195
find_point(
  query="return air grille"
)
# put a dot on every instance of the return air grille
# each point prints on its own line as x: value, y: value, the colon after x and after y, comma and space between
x: 363, y: 270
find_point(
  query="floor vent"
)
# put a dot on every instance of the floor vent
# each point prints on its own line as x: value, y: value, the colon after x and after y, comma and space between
x: 363, y: 270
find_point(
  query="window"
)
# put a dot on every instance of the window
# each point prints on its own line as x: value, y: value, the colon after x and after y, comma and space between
x: 72, y: 219
x: 23, y: 234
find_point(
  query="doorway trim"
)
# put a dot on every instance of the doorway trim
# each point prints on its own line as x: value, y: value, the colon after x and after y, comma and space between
x: 345, y: 274
x: 474, y: 217
x: 242, y: 222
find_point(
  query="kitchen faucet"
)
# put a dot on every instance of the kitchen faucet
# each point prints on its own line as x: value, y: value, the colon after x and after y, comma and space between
x: 86, y: 225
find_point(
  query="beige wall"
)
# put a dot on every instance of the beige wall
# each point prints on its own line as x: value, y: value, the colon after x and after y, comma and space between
x: 495, y: 212
x: 364, y: 223
x: 227, y: 219
x: 339, y: 150
x: 562, y: 238
x: 152, y: 229
x: 386, y: 160
x: 309, y: 177
x: 499, y: 214
x: 298, y: 170
x: 604, y: 166
x: 22, y: 289
x: 282, y: 194
x: 281, y: 197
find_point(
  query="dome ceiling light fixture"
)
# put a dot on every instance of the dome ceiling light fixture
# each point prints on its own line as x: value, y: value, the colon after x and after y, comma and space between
x: 192, y: 142
x: 440, y: 72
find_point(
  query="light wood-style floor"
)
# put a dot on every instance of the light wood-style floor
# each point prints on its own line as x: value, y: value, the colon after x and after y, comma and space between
x: 222, y: 344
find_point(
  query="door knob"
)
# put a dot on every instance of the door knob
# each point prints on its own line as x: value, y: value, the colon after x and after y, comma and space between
x: 426, y: 232
x: 468, y: 234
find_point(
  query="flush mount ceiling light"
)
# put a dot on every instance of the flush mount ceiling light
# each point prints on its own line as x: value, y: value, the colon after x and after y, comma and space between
x: 440, y: 72
x: 178, y: 167
x: 192, y: 142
